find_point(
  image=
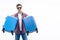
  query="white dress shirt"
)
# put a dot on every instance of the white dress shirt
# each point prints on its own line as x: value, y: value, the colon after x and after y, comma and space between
x: 20, y: 21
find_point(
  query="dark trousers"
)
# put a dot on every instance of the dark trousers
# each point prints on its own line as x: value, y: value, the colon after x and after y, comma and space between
x: 17, y: 36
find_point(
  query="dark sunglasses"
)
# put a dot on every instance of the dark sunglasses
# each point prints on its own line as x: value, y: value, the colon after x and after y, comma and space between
x: 19, y: 8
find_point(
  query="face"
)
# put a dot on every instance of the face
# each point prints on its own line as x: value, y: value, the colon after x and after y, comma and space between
x: 19, y: 8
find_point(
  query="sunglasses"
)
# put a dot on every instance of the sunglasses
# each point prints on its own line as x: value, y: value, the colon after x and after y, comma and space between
x: 19, y: 8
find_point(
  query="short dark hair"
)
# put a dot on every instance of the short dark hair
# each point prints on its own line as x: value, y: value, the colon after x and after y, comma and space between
x: 18, y: 5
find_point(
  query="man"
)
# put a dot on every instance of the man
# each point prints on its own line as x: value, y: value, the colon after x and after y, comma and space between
x: 20, y: 30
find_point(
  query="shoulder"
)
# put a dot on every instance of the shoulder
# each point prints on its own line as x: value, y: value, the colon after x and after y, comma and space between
x: 25, y: 14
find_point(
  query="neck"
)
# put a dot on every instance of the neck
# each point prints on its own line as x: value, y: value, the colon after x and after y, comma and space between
x: 20, y: 12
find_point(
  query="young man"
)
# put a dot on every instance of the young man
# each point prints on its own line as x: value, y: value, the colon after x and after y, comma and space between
x: 20, y: 30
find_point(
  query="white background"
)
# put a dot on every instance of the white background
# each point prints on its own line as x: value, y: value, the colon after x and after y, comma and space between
x: 45, y: 12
